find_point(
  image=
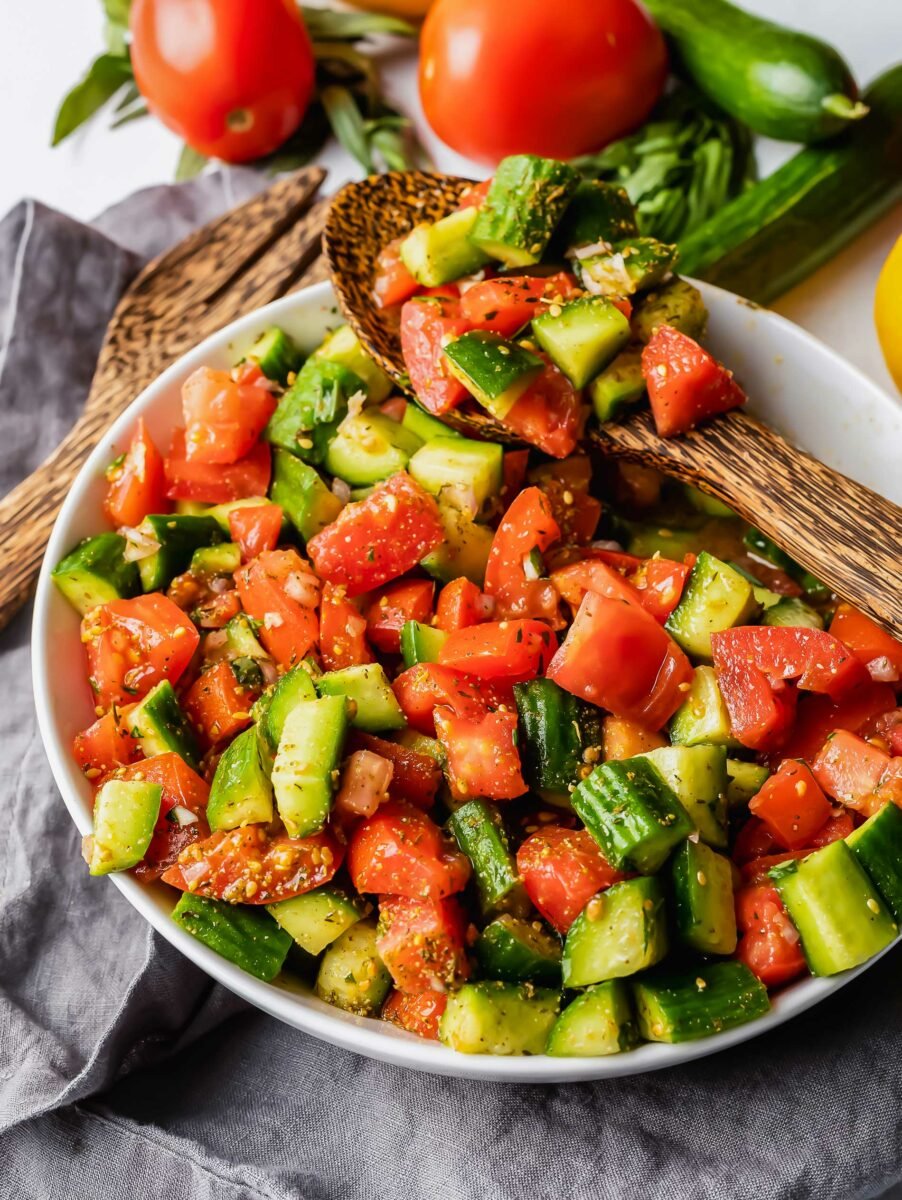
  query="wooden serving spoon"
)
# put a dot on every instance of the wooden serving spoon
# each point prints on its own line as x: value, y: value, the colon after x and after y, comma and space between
x: 260, y: 250
x: 844, y: 533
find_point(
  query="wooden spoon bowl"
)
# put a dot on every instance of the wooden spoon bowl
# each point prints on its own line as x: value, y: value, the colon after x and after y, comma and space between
x: 846, y: 534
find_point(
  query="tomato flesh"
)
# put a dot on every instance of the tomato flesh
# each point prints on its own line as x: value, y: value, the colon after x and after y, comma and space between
x: 417, y: 1012
x: 138, y: 483
x: 461, y: 604
x: 791, y: 805
x: 506, y: 304
x: 481, y: 754
x: 415, y: 777
x: 401, y: 852
x: 427, y: 325
x: 183, y: 789
x: 256, y: 528
x: 858, y: 774
x: 527, y: 526
x: 342, y: 631
x: 508, y: 650
x: 421, y: 688
x: 278, y: 590
x: 394, y: 283
x: 769, y: 943
x: 217, y: 705
x: 216, y: 483
x: 225, y: 412
x: 562, y: 869
x: 422, y: 942
x: 392, y: 607
x: 105, y: 745
x: 549, y: 414
x: 880, y: 653
x: 686, y: 384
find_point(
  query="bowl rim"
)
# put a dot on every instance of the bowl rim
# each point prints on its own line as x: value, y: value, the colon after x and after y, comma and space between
x: 368, y: 1036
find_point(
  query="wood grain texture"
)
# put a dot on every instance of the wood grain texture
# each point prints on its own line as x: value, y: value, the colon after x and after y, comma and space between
x: 261, y: 250
x: 844, y: 533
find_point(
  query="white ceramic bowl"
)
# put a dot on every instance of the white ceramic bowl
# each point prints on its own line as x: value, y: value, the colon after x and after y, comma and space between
x: 796, y: 383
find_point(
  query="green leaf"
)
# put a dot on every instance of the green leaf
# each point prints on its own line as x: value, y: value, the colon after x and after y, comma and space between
x: 347, y: 124
x: 191, y: 163
x: 106, y: 75
x: 327, y: 25
x: 116, y: 27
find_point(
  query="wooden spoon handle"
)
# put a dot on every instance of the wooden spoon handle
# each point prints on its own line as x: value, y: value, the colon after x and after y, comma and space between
x: 845, y: 534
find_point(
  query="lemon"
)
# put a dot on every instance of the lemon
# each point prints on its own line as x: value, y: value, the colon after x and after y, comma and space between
x: 888, y: 312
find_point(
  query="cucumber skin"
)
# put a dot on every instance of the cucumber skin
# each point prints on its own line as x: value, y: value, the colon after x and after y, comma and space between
x: 740, y: 61
x: 781, y: 230
x: 249, y: 938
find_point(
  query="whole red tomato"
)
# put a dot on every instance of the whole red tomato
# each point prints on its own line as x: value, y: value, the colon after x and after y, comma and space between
x: 233, y: 78
x: 550, y: 77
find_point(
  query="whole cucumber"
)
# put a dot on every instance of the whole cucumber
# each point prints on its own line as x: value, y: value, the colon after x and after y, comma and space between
x: 781, y: 83
x: 782, y: 229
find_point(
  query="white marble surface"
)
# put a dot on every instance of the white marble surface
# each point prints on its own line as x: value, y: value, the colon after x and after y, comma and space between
x: 47, y: 46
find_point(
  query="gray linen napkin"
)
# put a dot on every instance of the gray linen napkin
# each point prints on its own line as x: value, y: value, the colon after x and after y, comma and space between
x: 125, y: 1072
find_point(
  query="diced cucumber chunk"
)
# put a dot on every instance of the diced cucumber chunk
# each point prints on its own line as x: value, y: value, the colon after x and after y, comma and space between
x: 633, y: 814
x: 160, y: 726
x: 311, y: 410
x: 305, y: 771
x: 465, y: 550
x: 125, y: 814
x: 839, y: 913
x: 558, y: 735
x: 351, y: 975
x: 246, y: 936
x: 96, y: 572
x: 241, y: 792
x: 177, y: 538
x: 424, y: 425
x: 645, y: 541
x: 877, y: 844
x: 305, y: 500
x: 527, y: 198
x: 343, y: 347
x: 619, y: 385
x: 684, y: 1006
x: 716, y: 597
x: 420, y: 643
x: 582, y: 337
x: 794, y: 613
x: 276, y: 353
x: 240, y: 643
x: 272, y: 709
x: 702, y: 717
x: 213, y: 561
x: 478, y: 829
x: 597, y: 212
x: 744, y: 780
x: 620, y: 931
x: 499, y: 1018
x: 422, y: 744
x: 316, y: 919
x: 706, y: 504
x: 698, y: 777
x: 438, y: 252
x: 495, y: 370
x: 518, y: 951
x: 599, y: 1022
x: 677, y: 303
x: 704, y: 913
x: 373, y: 706
x: 475, y: 468
x: 369, y: 447
x: 632, y: 265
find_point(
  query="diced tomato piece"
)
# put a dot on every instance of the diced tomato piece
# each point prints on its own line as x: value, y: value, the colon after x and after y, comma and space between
x: 880, y: 652
x: 138, y: 483
x: 394, y: 283
x: 218, y: 610
x: 401, y: 852
x: 379, y: 538
x: 132, y: 645
x: 757, y: 870
x: 217, y: 705
x: 393, y: 606
x: 417, y: 1012
x: 255, y: 529
x: 791, y: 805
x: 622, y: 738
x: 422, y: 942
x: 365, y: 780
x: 754, y: 840
x: 858, y: 774
x: 752, y: 661
x: 474, y: 196
x: 224, y: 415
x: 247, y: 866
x: 342, y: 631
x: 279, y: 590
x: 769, y: 944
x: 819, y: 716
x: 575, y: 581
x: 514, y: 466
x: 685, y: 383
x: 509, y: 302
x: 427, y: 325
x: 105, y: 745
x: 511, y: 650
x: 884, y: 729
x: 482, y: 754
x: 618, y: 657
x: 415, y: 777
x: 395, y: 408
x: 566, y: 486
x: 562, y: 869
x: 549, y: 414
x: 216, y: 483
x: 510, y: 576
x: 461, y: 604
x: 836, y: 829
x: 660, y: 583
x: 185, y: 795
x: 421, y: 688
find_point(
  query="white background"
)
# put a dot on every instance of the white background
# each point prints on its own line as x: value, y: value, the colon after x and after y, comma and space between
x: 48, y: 43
